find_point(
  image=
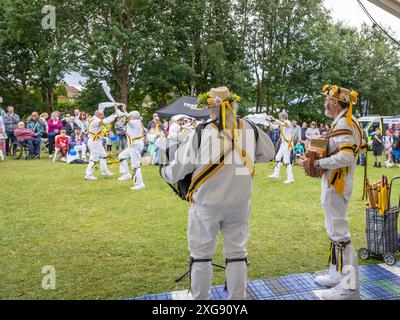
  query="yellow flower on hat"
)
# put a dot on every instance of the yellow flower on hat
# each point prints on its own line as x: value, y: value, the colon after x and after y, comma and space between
x: 335, y: 89
x: 354, y: 96
x: 326, y: 88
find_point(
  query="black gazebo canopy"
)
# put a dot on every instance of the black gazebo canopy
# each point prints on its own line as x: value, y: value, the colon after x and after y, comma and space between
x: 186, y: 106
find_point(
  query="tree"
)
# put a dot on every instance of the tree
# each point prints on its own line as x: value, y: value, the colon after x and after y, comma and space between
x: 36, y: 56
x: 115, y: 40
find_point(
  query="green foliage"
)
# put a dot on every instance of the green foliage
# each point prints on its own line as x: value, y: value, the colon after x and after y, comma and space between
x: 274, y: 54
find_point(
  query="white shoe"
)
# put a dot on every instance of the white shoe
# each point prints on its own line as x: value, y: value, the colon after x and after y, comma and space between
x: 288, y: 181
x: 326, y: 281
x: 337, y: 293
x: 63, y: 159
x: 138, y: 187
x: 125, y: 177
x: 90, y: 178
x: 51, y: 156
x: 272, y: 176
x: 107, y: 174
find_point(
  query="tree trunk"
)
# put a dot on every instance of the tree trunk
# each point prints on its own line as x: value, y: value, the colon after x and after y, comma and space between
x: 192, y: 86
x: 121, y: 77
x: 47, y: 98
x: 163, y: 99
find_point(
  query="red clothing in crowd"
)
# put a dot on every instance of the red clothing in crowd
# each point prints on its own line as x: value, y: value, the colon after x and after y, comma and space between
x: 62, y: 143
x: 23, y: 134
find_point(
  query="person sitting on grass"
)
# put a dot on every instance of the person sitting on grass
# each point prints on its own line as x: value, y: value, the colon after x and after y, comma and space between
x: 299, y: 148
x: 377, y: 147
x: 26, y: 136
x: 62, y: 144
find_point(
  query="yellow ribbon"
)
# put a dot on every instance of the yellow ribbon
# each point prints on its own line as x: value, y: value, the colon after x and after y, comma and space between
x: 337, y: 179
x: 349, y: 114
x: 225, y: 105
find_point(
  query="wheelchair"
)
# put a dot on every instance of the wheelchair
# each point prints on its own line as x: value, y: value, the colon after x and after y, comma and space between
x: 19, y: 149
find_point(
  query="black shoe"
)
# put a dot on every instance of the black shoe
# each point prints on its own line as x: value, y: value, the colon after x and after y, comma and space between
x: 379, y: 165
x: 375, y: 165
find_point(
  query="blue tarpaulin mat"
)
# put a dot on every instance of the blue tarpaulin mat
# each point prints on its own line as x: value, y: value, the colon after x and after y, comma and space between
x: 378, y: 282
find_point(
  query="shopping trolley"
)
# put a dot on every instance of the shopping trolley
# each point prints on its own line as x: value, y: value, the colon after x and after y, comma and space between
x: 381, y: 232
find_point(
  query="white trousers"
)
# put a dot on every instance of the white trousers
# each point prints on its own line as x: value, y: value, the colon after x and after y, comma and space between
x: 133, y: 153
x: 337, y: 227
x: 283, y: 154
x: 97, y: 154
x: 83, y: 149
x: 283, y: 157
x: 202, y: 237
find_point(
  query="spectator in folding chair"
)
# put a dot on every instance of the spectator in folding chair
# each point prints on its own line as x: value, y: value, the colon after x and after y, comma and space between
x: 54, y: 126
x: 62, y: 145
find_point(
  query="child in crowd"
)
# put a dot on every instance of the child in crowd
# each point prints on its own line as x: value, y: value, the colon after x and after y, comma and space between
x: 396, y: 148
x: 80, y: 143
x: 377, y: 147
x: 388, y: 144
x: 62, y: 144
x: 299, y: 148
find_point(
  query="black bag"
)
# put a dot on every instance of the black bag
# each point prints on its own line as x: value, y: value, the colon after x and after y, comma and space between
x: 181, y: 188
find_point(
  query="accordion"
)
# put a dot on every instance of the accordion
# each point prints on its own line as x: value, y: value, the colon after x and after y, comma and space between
x: 318, y: 149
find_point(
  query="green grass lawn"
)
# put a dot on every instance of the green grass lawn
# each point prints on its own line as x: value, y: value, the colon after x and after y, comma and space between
x: 108, y: 242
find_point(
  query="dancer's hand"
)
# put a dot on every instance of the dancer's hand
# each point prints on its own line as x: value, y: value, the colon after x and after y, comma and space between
x: 303, y: 161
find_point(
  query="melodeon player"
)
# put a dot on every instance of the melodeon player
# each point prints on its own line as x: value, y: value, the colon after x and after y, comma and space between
x: 336, y: 165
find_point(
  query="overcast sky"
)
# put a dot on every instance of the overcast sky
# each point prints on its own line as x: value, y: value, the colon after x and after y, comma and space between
x: 348, y: 11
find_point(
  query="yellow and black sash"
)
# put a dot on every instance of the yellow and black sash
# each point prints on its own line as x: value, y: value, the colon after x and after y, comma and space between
x: 96, y: 135
x: 246, y: 160
x: 210, y: 170
x: 131, y: 140
x: 337, y: 178
x: 207, y: 172
x: 290, y: 141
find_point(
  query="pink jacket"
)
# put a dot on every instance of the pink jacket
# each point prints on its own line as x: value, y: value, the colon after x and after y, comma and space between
x: 23, y: 134
x: 54, y: 125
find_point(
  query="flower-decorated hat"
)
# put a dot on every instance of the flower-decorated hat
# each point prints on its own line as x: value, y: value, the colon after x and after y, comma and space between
x: 343, y: 95
x: 220, y: 97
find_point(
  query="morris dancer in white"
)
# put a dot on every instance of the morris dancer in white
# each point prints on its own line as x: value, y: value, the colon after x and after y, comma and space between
x: 283, y: 156
x: 135, y: 133
x: 219, y: 195
x: 344, y: 146
x: 95, y: 137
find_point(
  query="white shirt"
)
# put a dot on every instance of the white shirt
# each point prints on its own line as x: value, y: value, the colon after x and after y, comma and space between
x: 226, y: 191
x: 95, y: 130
